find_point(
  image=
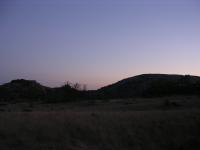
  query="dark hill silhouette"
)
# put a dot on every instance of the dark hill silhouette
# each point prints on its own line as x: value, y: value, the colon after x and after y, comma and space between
x: 146, y: 85
x: 21, y: 88
x: 151, y: 85
x: 29, y: 89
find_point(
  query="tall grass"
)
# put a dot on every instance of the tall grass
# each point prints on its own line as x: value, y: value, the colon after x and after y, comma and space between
x: 141, y: 130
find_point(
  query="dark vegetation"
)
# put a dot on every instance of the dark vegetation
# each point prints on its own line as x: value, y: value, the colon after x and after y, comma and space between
x: 167, y: 123
x: 29, y: 90
x: 147, y: 85
x: 141, y: 130
x: 154, y: 112
x: 153, y: 85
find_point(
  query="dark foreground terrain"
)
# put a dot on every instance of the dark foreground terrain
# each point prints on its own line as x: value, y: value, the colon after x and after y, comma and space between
x: 170, y: 123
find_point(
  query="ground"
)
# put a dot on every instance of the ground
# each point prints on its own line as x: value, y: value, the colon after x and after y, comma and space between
x: 122, y: 124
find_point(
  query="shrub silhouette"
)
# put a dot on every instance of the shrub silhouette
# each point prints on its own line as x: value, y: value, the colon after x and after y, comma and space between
x: 148, y: 85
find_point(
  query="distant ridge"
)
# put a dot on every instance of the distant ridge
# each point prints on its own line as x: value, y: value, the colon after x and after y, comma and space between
x: 21, y: 88
x: 30, y: 90
x: 145, y: 85
x: 152, y: 85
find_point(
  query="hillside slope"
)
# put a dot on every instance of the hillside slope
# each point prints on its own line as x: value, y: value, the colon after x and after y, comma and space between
x: 30, y: 90
x: 146, y: 85
x: 152, y: 85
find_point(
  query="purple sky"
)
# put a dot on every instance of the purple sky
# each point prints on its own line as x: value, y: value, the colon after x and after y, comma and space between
x: 97, y: 42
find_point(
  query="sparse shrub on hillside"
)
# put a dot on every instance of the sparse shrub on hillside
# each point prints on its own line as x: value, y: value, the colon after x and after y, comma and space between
x: 33, y: 91
x: 149, y: 85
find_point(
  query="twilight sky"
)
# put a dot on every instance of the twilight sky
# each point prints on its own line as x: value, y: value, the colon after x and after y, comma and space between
x: 97, y: 42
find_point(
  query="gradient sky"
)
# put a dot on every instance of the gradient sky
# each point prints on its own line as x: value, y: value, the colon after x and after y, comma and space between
x: 97, y: 42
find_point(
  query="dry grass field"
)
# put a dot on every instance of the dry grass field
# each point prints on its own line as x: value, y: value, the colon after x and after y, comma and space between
x: 171, y: 123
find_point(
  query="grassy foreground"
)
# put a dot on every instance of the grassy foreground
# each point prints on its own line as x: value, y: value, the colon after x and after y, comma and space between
x: 98, y: 130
